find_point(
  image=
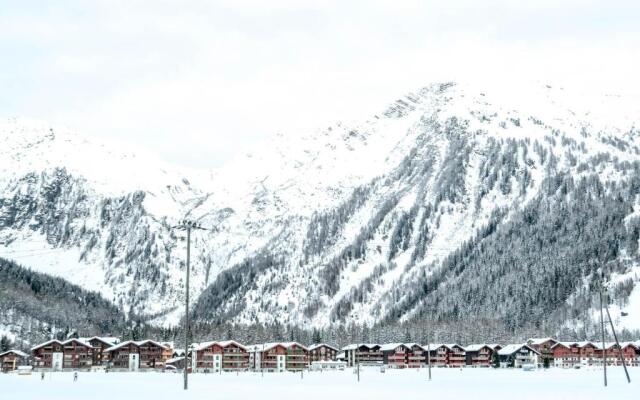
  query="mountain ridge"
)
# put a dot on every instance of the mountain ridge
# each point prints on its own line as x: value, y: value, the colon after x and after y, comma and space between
x: 338, y: 225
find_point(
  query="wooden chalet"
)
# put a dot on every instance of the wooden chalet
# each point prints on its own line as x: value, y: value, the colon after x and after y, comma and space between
x: 363, y: 354
x: 137, y: 355
x: 544, y: 347
x: 566, y: 355
x: 100, y: 344
x: 278, y: 357
x: 403, y: 355
x: 219, y: 356
x: 584, y: 354
x: 12, y: 359
x: 480, y: 355
x: 322, y: 352
x: 57, y: 355
x: 518, y: 356
x: 628, y: 350
x: 447, y: 355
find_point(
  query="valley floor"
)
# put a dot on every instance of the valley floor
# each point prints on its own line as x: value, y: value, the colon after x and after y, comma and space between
x: 404, y: 384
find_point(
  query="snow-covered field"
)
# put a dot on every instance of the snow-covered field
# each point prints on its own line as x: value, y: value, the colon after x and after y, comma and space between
x: 407, y: 384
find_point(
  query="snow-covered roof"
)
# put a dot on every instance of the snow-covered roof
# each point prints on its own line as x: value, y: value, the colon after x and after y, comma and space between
x: 539, y: 341
x: 174, y: 359
x: 224, y: 343
x: 565, y: 344
x: 354, y: 346
x: 48, y: 342
x: 341, y: 355
x: 316, y: 345
x: 450, y: 346
x: 390, y: 346
x: 268, y: 346
x: 477, y: 347
x: 16, y: 352
x: 512, y: 348
x: 137, y: 343
x: 110, y: 340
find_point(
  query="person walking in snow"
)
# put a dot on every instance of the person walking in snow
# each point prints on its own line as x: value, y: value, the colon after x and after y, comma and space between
x: 42, y: 375
x: 75, y: 376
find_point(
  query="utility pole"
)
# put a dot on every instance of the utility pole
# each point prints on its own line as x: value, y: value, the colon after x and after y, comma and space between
x: 186, y: 311
x: 624, y: 365
x: 187, y: 225
x: 429, y: 357
x: 358, y: 363
x: 604, y: 347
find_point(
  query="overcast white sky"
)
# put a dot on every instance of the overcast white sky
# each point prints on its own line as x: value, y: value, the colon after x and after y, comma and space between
x: 200, y: 81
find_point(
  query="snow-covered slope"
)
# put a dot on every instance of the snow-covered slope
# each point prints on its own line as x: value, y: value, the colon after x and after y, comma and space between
x: 348, y: 223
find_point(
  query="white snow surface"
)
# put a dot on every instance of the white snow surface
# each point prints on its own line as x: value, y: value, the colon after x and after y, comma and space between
x: 470, y: 383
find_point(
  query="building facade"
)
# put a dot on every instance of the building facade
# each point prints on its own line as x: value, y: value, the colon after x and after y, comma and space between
x: 12, y: 359
x: 137, y: 355
x: 219, y: 356
x: 322, y: 352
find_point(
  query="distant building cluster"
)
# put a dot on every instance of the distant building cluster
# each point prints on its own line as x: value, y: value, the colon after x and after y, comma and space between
x: 111, y: 354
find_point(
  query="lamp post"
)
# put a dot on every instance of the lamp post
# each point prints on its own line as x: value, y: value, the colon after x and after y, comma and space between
x: 187, y: 225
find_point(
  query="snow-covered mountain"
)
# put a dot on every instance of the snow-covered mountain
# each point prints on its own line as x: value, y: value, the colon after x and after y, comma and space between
x: 454, y: 202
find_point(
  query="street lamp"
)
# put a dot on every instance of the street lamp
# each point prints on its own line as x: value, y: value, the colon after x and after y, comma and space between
x: 187, y: 225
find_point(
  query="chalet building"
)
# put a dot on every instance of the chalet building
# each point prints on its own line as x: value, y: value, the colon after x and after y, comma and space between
x: 394, y: 355
x: 447, y: 355
x: 403, y: 355
x: 518, y: 355
x: 322, y: 352
x: 278, y: 357
x: 417, y: 356
x: 480, y: 355
x: 566, y: 355
x: 57, y: 355
x: 544, y: 347
x: 140, y: 355
x: 12, y: 359
x: 631, y: 353
x: 363, y: 354
x: 218, y: 356
x: 100, y: 344
x: 628, y: 350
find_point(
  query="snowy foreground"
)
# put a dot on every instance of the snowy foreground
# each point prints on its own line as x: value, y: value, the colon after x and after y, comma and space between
x: 407, y: 384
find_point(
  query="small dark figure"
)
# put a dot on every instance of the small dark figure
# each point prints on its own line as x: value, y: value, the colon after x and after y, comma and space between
x: 41, y: 376
x: 75, y: 376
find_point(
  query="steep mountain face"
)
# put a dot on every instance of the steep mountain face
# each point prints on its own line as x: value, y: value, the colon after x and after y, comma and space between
x: 453, y: 203
x: 35, y: 306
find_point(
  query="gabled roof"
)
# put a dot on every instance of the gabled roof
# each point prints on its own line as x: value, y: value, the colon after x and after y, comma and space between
x: 434, y: 346
x: 477, y: 347
x: 565, y: 344
x: 16, y: 352
x: 269, y: 346
x: 354, y: 346
x: 48, y: 342
x: 512, y: 348
x: 135, y: 343
x: 391, y: 346
x: 224, y: 343
x: 316, y: 345
x: 539, y: 341
x: 110, y: 340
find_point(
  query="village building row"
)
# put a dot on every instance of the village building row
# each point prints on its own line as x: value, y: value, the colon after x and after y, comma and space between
x: 229, y: 355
